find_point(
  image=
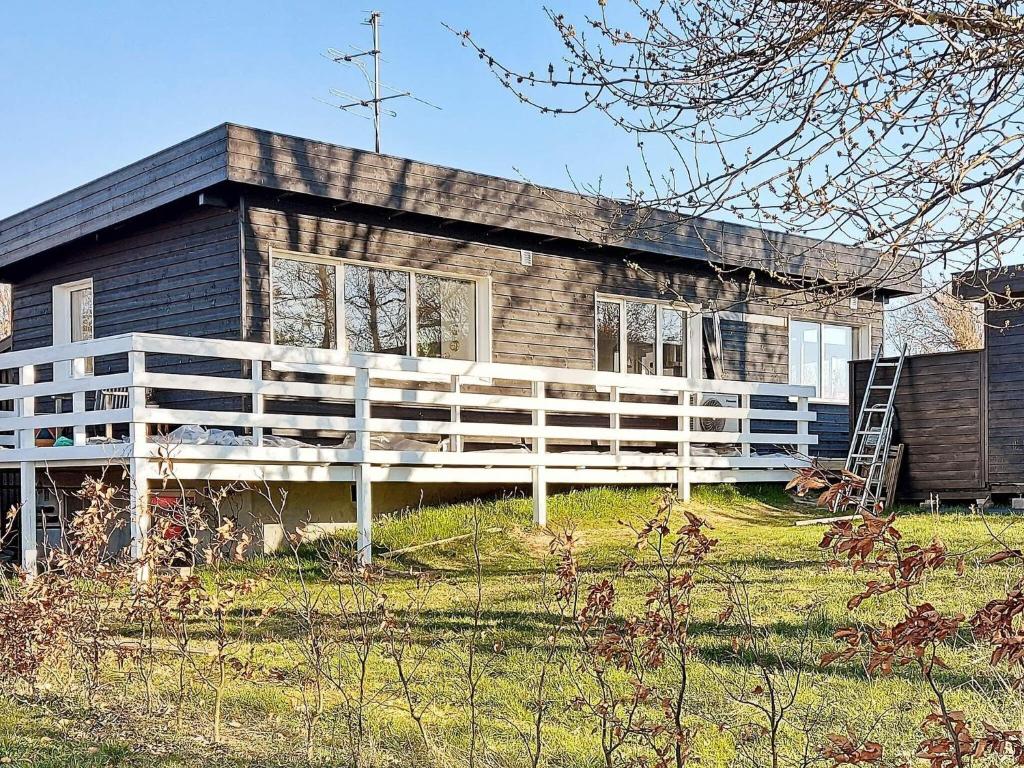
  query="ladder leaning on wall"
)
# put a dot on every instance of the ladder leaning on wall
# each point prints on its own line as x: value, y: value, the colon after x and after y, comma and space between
x: 872, y: 436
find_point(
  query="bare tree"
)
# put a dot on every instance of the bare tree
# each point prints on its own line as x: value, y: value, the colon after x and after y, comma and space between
x: 939, y: 322
x: 886, y: 125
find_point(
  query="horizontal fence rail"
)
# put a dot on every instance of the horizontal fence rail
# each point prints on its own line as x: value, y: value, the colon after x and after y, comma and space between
x: 314, y: 406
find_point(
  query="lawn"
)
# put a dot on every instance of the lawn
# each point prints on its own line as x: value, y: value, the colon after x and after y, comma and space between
x: 796, y: 603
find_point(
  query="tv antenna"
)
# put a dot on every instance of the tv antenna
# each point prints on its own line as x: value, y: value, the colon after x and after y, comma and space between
x: 354, y: 103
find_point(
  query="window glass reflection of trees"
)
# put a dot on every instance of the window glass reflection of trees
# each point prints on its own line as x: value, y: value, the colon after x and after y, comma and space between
x: 304, y: 295
x: 445, y: 318
x: 82, y: 321
x: 641, y: 335
x: 673, y: 342
x: 81, y: 314
x: 376, y: 310
x: 607, y: 336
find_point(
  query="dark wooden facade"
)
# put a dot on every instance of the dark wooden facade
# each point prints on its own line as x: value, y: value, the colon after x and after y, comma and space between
x: 186, y: 168
x: 180, y: 244
x: 941, y: 411
x: 291, y: 165
x: 961, y: 414
x: 1004, y: 359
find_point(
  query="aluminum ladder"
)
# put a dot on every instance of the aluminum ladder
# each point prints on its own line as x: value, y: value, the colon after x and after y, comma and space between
x: 872, y: 437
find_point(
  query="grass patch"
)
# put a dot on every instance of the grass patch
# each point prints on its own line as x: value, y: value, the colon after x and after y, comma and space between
x: 792, y: 593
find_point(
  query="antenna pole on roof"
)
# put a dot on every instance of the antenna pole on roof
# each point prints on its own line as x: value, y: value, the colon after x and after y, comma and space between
x: 352, y: 103
x: 375, y: 24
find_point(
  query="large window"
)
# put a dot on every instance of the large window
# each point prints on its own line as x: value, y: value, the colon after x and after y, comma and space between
x: 380, y: 310
x: 653, y: 336
x: 819, y: 356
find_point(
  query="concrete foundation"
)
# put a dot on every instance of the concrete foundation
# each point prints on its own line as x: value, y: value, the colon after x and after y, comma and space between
x: 319, y: 508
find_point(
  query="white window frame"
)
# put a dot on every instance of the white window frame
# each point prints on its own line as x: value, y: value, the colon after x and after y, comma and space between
x: 481, y: 285
x: 860, y: 338
x: 692, y: 330
x: 61, y: 308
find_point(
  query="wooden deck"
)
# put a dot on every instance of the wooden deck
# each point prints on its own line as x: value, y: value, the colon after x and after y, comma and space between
x: 381, y: 418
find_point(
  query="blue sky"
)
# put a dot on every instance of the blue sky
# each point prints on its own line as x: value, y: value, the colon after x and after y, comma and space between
x: 90, y: 87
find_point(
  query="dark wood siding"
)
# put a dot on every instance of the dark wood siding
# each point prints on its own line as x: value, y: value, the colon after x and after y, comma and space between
x: 179, y: 272
x: 180, y: 276
x: 310, y: 167
x: 940, y: 404
x: 1004, y: 340
x: 301, y: 166
x: 544, y: 314
x: 982, y: 284
x: 188, y: 167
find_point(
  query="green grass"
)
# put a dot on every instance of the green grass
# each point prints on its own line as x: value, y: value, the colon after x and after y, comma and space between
x: 793, y: 595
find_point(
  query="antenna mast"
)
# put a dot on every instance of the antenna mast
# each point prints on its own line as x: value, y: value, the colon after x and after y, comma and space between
x: 375, y: 24
x: 351, y: 102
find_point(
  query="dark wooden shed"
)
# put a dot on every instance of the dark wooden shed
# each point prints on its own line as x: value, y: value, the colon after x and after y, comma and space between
x: 961, y: 414
x: 941, y: 407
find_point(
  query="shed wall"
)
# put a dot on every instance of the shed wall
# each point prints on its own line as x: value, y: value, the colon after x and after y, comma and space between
x: 1004, y: 342
x: 940, y: 405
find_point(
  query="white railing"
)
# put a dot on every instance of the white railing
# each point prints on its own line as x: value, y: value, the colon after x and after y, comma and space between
x: 486, y: 413
x: 484, y: 422
x: 554, y: 415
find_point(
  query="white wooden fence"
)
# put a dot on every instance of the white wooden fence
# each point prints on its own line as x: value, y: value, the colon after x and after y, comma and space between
x: 498, y: 422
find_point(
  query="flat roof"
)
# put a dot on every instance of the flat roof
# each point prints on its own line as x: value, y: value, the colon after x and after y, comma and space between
x: 241, y: 155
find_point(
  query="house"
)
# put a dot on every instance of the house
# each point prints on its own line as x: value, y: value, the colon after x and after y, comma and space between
x: 959, y: 412
x: 366, y: 329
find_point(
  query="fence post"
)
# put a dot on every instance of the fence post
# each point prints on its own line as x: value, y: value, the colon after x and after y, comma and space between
x: 257, y: 399
x: 136, y: 400
x: 803, y: 426
x: 29, y: 515
x: 540, y: 482
x: 364, y: 489
x: 683, y: 449
x: 616, y: 419
x: 26, y: 438
x: 455, y: 441
x: 745, y: 426
x: 78, y: 401
x: 138, y: 461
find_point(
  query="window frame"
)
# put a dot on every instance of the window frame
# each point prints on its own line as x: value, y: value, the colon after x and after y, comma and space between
x: 691, y: 326
x: 481, y: 291
x: 63, y: 330
x: 856, y: 343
